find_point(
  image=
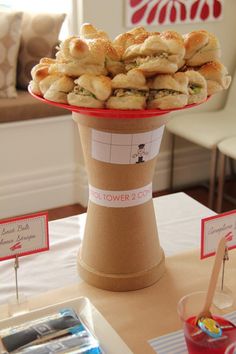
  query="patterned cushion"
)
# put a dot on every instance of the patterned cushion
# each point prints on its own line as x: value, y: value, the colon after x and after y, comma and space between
x: 10, y: 25
x: 38, y: 39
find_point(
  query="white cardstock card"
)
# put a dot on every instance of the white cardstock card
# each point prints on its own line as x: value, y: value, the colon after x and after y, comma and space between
x: 126, y: 148
x: 120, y: 199
x: 216, y: 227
x: 22, y: 236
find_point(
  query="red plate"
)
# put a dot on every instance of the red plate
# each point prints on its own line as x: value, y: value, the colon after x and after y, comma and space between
x: 112, y: 113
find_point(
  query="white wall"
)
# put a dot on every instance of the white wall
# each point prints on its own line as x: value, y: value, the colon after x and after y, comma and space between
x: 38, y: 165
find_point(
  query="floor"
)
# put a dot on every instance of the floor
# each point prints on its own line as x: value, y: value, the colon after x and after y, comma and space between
x: 200, y: 193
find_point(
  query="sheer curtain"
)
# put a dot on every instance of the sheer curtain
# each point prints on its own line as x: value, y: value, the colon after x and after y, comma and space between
x: 63, y: 6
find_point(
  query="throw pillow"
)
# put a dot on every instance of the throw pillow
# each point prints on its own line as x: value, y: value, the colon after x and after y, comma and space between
x: 39, y: 37
x: 10, y: 30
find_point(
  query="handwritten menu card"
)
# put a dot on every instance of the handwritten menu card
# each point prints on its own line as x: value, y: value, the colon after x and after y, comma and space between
x: 216, y: 227
x: 24, y: 235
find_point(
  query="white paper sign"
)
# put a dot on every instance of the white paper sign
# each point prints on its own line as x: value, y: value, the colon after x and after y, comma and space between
x: 216, y: 227
x: 120, y: 199
x: 126, y: 148
x: 22, y: 236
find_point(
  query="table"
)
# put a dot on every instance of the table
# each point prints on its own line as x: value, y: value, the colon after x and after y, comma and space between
x: 178, y: 221
x: 137, y: 316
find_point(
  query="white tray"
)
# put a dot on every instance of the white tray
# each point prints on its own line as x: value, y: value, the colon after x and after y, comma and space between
x: 109, y: 340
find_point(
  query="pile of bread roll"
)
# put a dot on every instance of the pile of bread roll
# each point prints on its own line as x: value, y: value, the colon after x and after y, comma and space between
x: 136, y: 70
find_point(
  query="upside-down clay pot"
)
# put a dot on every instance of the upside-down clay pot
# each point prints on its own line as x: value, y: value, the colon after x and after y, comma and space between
x: 120, y: 249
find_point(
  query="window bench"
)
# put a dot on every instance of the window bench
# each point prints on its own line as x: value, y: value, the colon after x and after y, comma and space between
x: 39, y: 156
x: 25, y: 107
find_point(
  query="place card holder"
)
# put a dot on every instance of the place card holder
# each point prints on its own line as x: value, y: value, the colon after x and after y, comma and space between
x: 212, y: 229
x: 22, y: 236
x: 17, y: 304
x: 224, y: 296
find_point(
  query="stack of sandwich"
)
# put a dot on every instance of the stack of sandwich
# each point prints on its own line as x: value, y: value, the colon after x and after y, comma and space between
x: 136, y: 70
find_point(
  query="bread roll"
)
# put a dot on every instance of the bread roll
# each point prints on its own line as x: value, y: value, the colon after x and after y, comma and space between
x: 39, y: 73
x: 168, y: 91
x: 75, y: 69
x: 88, y: 31
x: 34, y: 87
x: 126, y: 102
x: 216, y: 76
x: 72, y: 48
x: 162, y: 53
x: 130, y: 91
x: 113, y: 63
x: 90, y: 91
x: 167, y: 69
x: 123, y: 41
x: 75, y: 99
x: 135, y: 36
x: 43, y: 63
x: 59, y: 89
x: 78, y: 56
x: 197, y: 87
x: 45, y: 84
x: 47, y: 61
x: 134, y: 79
x: 201, y: 47
x: 99, y: 86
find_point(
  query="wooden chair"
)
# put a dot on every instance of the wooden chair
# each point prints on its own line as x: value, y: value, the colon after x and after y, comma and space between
x: 227, y: 149
x: 206, y: 129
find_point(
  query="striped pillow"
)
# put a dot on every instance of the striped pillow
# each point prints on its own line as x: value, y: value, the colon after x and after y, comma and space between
x: 39, y: 37
x: 10, y: 31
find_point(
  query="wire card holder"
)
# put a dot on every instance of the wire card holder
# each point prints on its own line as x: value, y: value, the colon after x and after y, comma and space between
x: 17, y: 304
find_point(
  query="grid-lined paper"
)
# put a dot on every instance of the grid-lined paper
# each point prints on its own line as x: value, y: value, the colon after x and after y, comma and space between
x: 126, y: 148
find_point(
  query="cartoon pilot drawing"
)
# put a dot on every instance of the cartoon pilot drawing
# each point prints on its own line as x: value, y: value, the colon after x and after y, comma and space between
x: 140, y: 153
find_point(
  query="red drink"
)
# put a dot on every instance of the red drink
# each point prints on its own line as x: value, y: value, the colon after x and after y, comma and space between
x: 200, y: 342
x: 231, y: 349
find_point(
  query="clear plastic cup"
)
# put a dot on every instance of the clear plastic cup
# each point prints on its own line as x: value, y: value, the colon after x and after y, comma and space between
x: 197, y: 341
x: 231, y: 349
x: 223, y: 298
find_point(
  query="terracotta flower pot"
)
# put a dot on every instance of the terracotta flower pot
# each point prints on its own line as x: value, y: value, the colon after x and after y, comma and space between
x: 120, y: 250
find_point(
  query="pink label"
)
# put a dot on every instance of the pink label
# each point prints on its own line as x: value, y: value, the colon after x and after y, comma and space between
x: 24, y: 235
x: 120, y: 199
x: 214, y: 228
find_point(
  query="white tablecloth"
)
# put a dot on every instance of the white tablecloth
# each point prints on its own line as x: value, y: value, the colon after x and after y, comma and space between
x: 178, y: 221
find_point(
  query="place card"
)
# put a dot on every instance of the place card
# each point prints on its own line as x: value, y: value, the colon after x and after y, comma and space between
x: 214, y: 228
x: 23, y: 235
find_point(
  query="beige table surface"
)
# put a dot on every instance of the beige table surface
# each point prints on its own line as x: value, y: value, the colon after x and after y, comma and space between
x: 178, y: 221
x: 138, y: 316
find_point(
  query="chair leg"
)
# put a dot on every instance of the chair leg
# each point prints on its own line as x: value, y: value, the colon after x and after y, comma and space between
x: 220, y: 192
x: 213, y: 168
x: 172, y: 160
x: 232, y: 170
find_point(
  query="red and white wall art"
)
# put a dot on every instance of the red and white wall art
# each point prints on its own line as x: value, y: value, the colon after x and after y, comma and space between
x: 166, y: 12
